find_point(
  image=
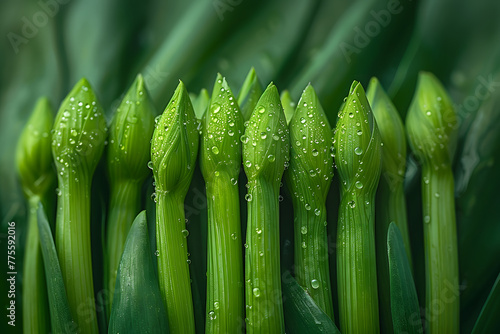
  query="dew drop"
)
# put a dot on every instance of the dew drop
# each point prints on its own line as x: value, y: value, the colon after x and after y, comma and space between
x: 359, y: 185
x: 315, y: 152
x: 215, y: 150
x: 185, y: 233
x: 248, y: 197
x: 157, y: 253
x: 256, y: 292
x: 352, y: 204
x: 271, y: 158
x: 315, y: 283
x: 358, y: 150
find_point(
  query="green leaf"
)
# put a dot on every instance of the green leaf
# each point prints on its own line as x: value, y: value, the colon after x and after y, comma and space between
x: 404, y: 302
x: 288, y: 105
x: 302, y: 315
x: 487, y: 321
x: 249, y: 94
x: 137, y: 304
x: 60, y: 314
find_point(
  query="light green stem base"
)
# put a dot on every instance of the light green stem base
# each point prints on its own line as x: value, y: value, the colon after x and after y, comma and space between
x: 173, y: 267
x: 441, y: 256
x: 356, y: 265
x: 35, y: 300
x: 225, y: 292
x: 311, y: 255
x: 124, y: 207
x: 74, y: 248
x: 264, y: 308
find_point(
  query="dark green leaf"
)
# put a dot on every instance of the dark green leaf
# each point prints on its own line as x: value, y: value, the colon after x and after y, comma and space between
x: 488, y: 318
x: 137, y: 305
x: 302, y: 315
x: 404, y: 302
x: 60, y: 315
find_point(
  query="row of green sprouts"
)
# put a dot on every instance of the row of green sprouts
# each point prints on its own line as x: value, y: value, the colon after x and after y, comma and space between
x: 275, y: 142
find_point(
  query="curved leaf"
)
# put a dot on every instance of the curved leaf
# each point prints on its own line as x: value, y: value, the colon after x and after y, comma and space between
x: 404, y: 301
x: 487, y: 322
x: 60, y: 315
x: 137, y: 304
x: 302, y: 315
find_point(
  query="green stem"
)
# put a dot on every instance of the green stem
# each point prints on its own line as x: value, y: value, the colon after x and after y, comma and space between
x: 35, y: 299
x: 396, y: 212
x: 225, y: 303
x: 441, y: 256
x: 173, y: 267
x: 262, y: 259
x: 356, y: 264
x: 311, y: 255
x: 74, y: 249
x: 124, y: 207
x: 391, y: 207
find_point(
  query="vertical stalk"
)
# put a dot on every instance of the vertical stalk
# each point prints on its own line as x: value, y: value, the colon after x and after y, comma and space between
x: 173, y: 267
x: 262, y: 259
x: 124, y: 206
x: 356, y: 266
x: 74, y: 249
x: 391, y: 207
x: 311, y: 255
x: 225, y: 300
x: 441, y: 256
x: 35, y: 299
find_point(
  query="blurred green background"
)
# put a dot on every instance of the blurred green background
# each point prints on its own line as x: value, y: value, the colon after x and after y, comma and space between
x: 47, y: 45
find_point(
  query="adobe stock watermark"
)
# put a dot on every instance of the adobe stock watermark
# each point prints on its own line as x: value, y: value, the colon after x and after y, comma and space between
x: 433, y: 310
x: 11, y: 274
x: 154, y: 76
x: 485, y: 87
x: 32, y: 25
x: 223, y: 6
x: 364, y: 35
